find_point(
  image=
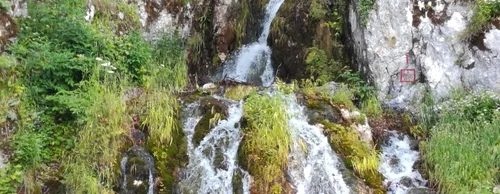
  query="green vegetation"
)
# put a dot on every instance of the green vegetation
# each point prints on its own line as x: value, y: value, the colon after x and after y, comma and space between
x: 344, y: 97
x: 239, y: 92
x: 4, y: 5
x: 320, y: 66
x: 317, y: 10
x: 364, y: 8
x: 484, y: 11
x: 463, y: 154
x: 66, y: 88
x: 356, y: 154
x: 266, y: 143
x: 372, y: 107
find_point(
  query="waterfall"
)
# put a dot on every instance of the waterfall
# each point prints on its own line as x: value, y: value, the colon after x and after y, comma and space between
x: 212, y: 164
x: 397, y: 164
x: 252, y: 63
x: 313, y: 165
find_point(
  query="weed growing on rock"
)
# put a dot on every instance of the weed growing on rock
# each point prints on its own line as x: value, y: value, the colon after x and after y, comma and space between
x: 239, y: 92
x: 356, y: 154
x: 265, y: 147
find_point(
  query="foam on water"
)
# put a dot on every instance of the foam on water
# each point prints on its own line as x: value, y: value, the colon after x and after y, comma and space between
x: 212, y: 163
x: 397, y: 164
x: 252, y: 63
x: 313, y: 165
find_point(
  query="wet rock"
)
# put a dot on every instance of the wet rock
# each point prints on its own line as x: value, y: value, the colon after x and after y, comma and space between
x: 318, y: 110
x: 406, y: 181
x: 209, y: 87
x: 421, y: 191
x: 138, y: 171
x: 394, y: 162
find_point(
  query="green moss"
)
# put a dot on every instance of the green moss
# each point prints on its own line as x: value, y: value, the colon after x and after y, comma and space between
x: 355, y: 153
x: 266, y: 143
x: 313, y: 104
x: 344, y: 97
x: 239, y: 92
x: 169, y: 158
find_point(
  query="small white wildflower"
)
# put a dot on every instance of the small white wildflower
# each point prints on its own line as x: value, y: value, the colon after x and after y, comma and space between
x: 98, y: 59
x: 162, y: 65
x: 113, y: 67
x: 137, y: 182
x: 106, y: 64
x: 109, y: 71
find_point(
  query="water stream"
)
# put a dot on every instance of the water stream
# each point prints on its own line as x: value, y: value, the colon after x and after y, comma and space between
x: 397, y: 164
x: 313, y: 164
x: 252, y: 63
x: 212, y: 164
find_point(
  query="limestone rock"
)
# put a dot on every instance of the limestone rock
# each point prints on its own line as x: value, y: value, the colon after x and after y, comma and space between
x: 209, y: 87
x: 430, y: 36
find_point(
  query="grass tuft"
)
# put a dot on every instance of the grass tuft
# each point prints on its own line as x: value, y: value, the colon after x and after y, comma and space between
x: 266, y: 142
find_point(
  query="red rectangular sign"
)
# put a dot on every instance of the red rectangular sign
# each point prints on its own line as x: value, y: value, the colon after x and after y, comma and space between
x: 408, y: 75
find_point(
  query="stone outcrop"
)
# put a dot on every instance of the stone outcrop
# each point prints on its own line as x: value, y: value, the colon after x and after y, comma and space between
x: 8, y: 27
x: 429, y: 33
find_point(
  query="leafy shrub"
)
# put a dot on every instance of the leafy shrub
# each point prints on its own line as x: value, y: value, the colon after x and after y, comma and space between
x: 360, y: 88
x: 10, y: 178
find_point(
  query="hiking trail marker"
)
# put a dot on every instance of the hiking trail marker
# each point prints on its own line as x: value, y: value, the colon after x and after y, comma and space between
x: 407, y: 75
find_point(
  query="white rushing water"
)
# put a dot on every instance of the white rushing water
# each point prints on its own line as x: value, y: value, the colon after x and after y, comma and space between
x: 212, y: 163
x: 397, y: 165
x: 252, y: 63
x: 313, y: 165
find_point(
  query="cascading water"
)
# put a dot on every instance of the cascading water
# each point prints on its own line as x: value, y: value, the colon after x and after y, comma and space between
x: 212, y: 164
x: 313, y: 165
x: 252, y: 63
x: 397, y: 164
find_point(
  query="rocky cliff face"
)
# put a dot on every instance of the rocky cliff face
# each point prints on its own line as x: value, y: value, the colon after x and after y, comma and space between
x: 429, y: 33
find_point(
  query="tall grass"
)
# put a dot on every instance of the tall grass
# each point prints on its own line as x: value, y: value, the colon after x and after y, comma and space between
x: 92, y: 165
x: 169, y: 69
x: 161, y: 117
x: 266, y: 143
x: 463, y: 154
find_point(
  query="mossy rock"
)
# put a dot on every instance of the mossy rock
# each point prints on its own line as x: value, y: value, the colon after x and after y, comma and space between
x: 239, y: 92
x: 169, y: 159
x: 212, y: 114
x: 318, y: 110
x: 346, y: 142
